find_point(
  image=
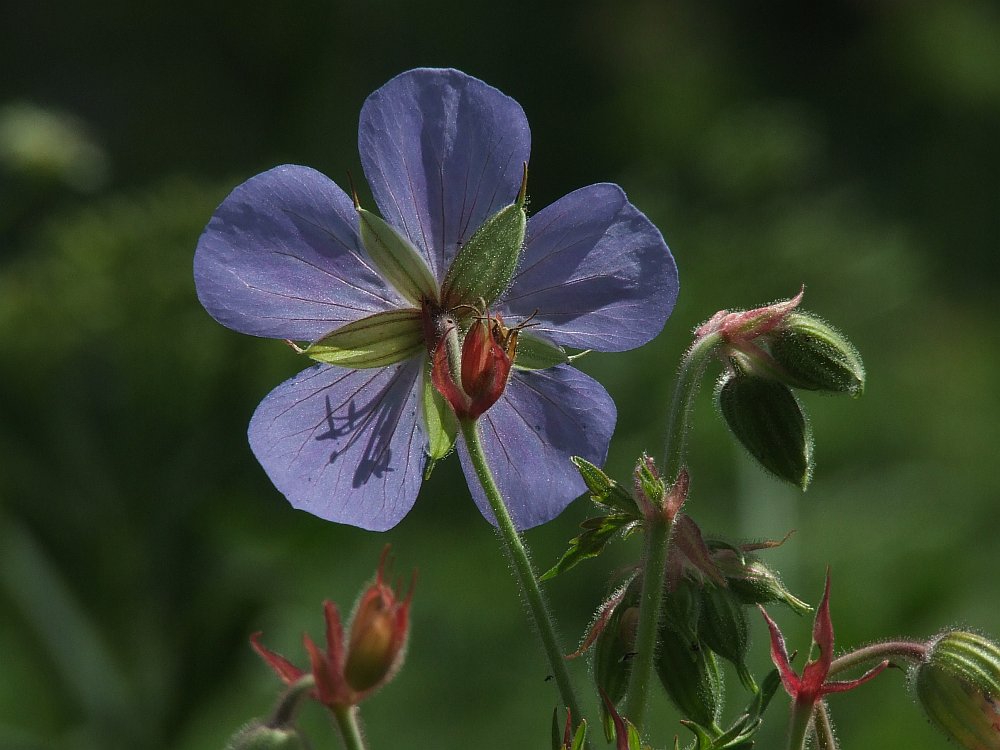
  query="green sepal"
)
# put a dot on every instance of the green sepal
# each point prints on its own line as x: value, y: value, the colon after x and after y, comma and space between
x: 537, y: 353
x: 649, y: 482
x: 441, y: 422
x: 376, y: 341
x: 597, y: 532
x: 397, y: 261
x: 766, y: 418
x: 604, y: 490
x: 484, y: 267
x: 816, y: 356
x: 579, y: 738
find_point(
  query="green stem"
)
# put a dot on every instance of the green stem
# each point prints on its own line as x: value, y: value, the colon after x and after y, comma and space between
x: 349, y: 724
x: 291, y: 701
x: 825, y: 738
x: 912, y: 651
x: 688, y: 380
x: 524, y: 572
x: 798, y: 724
x: 657, y: 530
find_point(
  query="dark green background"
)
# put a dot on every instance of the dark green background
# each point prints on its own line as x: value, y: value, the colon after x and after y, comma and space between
x: 848, y: 146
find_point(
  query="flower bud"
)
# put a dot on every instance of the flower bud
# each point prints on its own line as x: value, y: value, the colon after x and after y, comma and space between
x: 613, y: 653
x: 816, y: 356
x: 690, y: 674
x: 379, y: 630
x: 258, y: 736
x: 755, y: 583
x: 766, y: 418
x: 958, y: 686
x: 723, y: 628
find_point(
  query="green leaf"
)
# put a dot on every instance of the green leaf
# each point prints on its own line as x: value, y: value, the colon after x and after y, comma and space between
x: 396, y: 259
x: 537, y: 353
x: 580, y: 738
x: 766, y: 418
x: 597, y: 532
x: 768, y: 687
x: 441, y: 423
x: 604, y: 490
x: 483, y: 269
x: 376, y: 341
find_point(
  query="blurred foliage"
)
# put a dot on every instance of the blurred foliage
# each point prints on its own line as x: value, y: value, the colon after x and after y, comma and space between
x: 849, y: 146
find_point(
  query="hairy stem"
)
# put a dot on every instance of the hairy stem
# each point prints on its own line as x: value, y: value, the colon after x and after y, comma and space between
x: 658, y: 529
x: 524, y: 572
x: 798, y: 724
x: 688, y: 381
x: 825, y: 739
x: 349, y: 724
x: 912, y: 651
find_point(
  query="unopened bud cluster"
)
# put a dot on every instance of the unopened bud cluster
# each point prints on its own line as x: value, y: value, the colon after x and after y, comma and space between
x: 769, y: 351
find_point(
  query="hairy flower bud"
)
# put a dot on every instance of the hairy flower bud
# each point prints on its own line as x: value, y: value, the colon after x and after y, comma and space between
x: 723, y: 628
x: 755, y: 583
x: 379, y: 630
x: 765, y: 416
x: 342, y: 677
x: 613, y: 652
x: 690, y: 674
x: 815, y: 356
x: 958, y: 686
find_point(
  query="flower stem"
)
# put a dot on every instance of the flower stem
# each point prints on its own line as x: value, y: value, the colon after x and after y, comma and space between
x: 657, y: 530
x: 688, y: 380
x: 825, y: 738
x: 524, y: 572
x: 912, y: 651
x: 349, y: 724
x: 291, y: 701
x: 798, y: 724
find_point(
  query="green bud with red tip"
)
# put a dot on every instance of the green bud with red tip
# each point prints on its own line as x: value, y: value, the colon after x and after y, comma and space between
x: 958, y: 687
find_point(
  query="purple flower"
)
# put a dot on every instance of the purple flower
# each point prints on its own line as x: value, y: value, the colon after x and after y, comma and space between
x: 289, y: 256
